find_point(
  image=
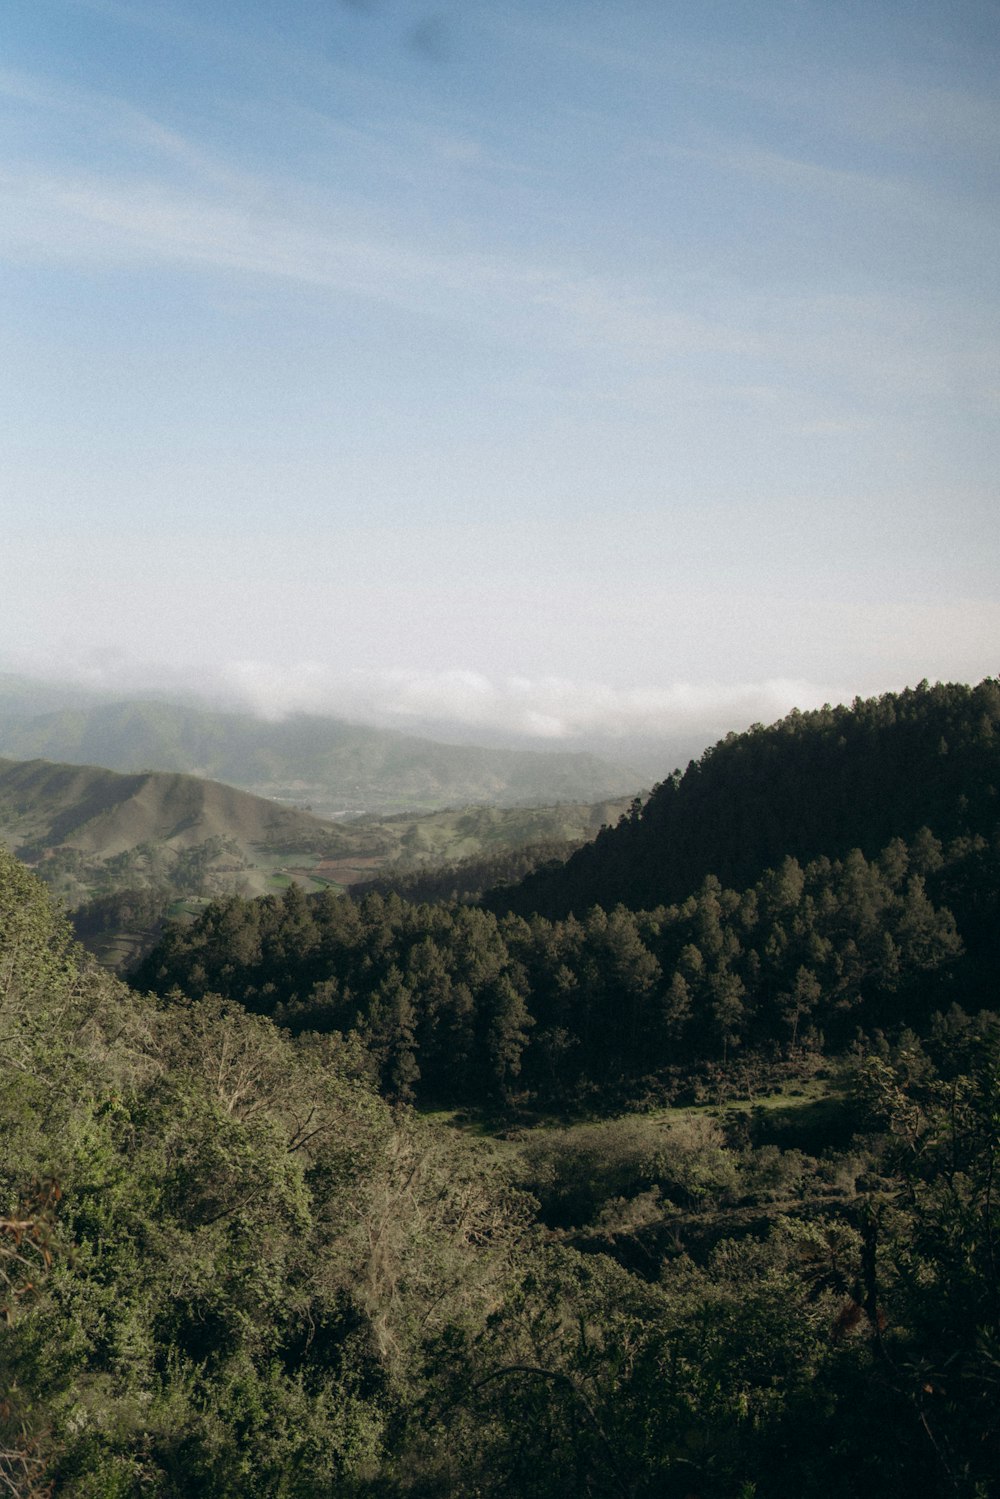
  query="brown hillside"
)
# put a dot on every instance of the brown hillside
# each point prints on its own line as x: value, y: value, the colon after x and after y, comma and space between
x: 44, y: 806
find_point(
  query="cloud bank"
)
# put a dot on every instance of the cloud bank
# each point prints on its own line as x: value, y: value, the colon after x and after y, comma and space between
x: 552, y: 711
x: 544, y: 708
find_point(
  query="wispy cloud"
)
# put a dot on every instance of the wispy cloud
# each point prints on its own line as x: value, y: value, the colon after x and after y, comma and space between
x: 910, y: 119
x: 291, y: 234
x: 276, y: 231
x: 164, y: 199
x: 108, y: 118
x: 887, y: 193
x: 146, y: 220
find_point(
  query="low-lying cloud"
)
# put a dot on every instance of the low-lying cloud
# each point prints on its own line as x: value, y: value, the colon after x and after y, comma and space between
x: 549, y: 709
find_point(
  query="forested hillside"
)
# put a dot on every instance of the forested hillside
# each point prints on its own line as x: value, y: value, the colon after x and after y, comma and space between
x: 122, y: 851
x: 400, y: 1200
x: 456, y: 1005
x: 459, y: 1004
x: 814, y: 784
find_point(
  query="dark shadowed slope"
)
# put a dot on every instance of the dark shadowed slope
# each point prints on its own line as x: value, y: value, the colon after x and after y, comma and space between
x: 813, y: 784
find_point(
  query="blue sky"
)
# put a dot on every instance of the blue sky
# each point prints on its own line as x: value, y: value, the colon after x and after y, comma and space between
x: 562, y: 367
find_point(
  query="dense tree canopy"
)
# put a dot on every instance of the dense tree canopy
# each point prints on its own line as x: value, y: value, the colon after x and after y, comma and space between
x: 457, y: 1005
x: 814, y: 784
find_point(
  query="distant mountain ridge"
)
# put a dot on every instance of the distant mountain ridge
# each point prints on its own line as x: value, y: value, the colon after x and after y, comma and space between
x: 23, y: 698
x: 326, y: 763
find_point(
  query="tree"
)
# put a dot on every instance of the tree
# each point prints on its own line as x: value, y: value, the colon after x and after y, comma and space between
x: 726, y: 993
x: 801, y: 1001
x: 389, y: 1031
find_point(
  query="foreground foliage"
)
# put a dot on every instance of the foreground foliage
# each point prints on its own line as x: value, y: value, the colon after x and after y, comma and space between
x: 229, y: 1268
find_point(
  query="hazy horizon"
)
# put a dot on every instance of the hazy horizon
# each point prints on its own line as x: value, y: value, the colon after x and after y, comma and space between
x: 652, y: 732
x: 575, y: 377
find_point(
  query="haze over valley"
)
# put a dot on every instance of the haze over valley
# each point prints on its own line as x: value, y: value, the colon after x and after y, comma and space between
x: 329, y: 765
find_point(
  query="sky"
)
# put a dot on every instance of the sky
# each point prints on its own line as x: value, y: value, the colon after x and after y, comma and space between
x: 561, y: 369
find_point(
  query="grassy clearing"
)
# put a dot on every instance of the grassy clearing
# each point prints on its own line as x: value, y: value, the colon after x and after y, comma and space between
x: 809, y: 1107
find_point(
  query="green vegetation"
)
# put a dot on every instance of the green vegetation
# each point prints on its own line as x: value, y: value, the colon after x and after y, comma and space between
x: 461, y: 1006
x: 699, y: 1199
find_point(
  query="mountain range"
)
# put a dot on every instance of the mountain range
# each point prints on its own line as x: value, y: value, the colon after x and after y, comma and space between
x: 326, y: 765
